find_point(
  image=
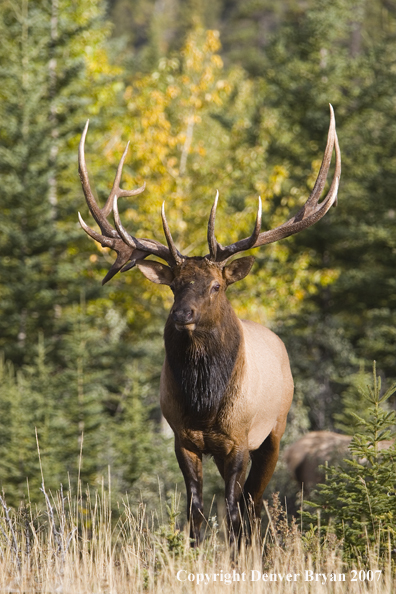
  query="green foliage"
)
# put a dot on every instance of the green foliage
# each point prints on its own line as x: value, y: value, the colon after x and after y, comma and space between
x: 357, y: 501
x: 98, y: 419
x: 153, y: 30
x: 27, y: 406
x: 169, y: 533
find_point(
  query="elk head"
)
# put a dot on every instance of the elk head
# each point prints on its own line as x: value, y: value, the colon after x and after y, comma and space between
x: 199, y: 286
x: 198, y: 283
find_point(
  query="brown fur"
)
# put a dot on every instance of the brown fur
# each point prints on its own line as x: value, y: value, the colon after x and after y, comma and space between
x: 304, y: 457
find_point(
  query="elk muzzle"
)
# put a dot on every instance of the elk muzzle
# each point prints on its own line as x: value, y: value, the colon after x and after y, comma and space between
x: 184, y: 317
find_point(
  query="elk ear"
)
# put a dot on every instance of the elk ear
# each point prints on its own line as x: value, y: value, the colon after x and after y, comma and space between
x: 156, y: 272
x: 238, y: 269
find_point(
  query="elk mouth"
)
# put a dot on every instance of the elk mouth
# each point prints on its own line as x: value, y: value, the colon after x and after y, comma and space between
x: 187, y: 326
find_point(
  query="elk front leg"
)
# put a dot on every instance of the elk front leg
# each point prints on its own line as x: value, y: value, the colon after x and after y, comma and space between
x: 235, y: 466
x: 191, y: 466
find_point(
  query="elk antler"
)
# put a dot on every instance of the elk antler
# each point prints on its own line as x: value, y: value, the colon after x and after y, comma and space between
x: 128, y: 248
x: 308, y: 215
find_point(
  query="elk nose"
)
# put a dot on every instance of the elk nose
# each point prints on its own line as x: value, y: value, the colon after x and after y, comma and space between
x: 183, y: 315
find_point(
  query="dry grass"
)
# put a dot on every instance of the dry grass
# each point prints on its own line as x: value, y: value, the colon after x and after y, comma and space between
x: 75, y: 545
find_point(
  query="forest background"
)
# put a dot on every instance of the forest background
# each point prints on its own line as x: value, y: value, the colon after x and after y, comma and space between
x: 218, y: 94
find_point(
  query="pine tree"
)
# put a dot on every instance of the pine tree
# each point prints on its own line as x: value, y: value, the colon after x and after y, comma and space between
x: 28, y: 428
x: 357, y: 499
x: 45, y: 77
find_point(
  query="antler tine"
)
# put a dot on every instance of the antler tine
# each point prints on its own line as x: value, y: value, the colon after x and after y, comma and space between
x: 178, y: 258
x: 324, y: 168
x: 116, y: 190
x: 212, y: 241
x: 129, y: 240
x: 96, y: 212
x: 310, y: 213
x: 338, y: 166
x: 217, y: 252
x: 256, y: 232
x: 105, y: 241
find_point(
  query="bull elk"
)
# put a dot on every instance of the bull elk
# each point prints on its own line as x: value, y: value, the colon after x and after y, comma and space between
x: 226, y: 385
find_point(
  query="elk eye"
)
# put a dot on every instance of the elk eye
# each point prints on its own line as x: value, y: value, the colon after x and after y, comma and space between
x: 215, y: 288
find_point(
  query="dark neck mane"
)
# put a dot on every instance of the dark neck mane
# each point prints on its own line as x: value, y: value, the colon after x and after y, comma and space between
x: 202, y: 363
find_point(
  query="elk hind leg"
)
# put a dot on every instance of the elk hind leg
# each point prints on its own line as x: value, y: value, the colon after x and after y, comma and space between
x: 264, y: 460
